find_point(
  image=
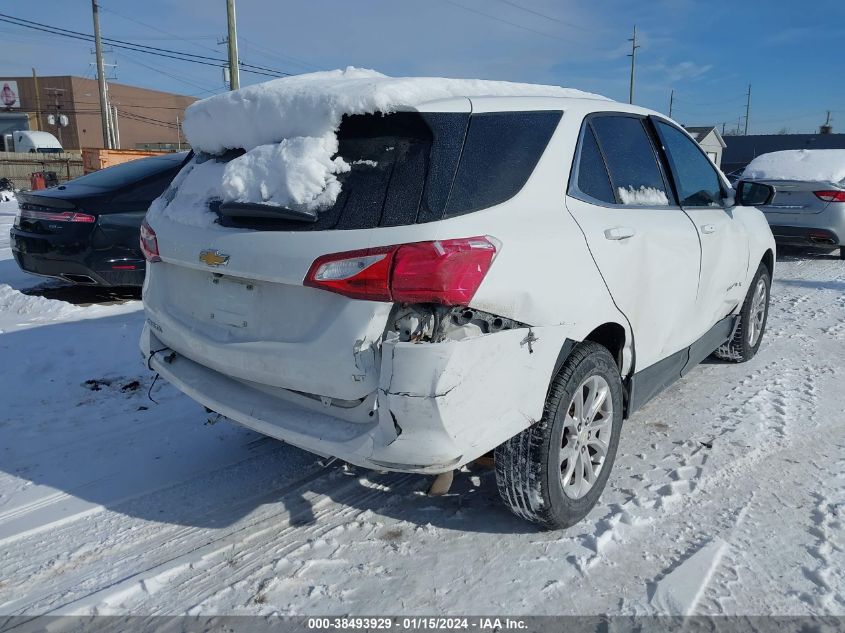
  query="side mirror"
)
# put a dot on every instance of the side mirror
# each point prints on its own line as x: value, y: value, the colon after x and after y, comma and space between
x: 754, y: 194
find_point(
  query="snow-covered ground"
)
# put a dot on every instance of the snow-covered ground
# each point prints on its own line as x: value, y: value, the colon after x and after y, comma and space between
x: 728, y: 495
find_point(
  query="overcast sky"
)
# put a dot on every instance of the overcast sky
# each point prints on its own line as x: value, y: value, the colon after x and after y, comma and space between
x: 793, y: 53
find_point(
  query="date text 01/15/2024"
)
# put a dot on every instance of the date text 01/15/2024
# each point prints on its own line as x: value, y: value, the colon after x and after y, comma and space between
x: 417, y: 623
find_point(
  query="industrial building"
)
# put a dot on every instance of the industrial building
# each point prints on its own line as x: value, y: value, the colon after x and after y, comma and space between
x: 68, y: 107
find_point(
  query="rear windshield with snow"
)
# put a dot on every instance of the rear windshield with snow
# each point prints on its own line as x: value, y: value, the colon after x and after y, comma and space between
x: 410, y: 168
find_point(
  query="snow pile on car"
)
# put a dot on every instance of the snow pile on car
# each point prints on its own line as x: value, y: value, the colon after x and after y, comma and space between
x: 642, y: 196
x: 811, y: 165
x: 288, y: 128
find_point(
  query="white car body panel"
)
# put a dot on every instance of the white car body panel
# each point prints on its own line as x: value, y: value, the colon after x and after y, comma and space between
x: 659, y: 236
x: 724, y: 255
x: 317, y: 369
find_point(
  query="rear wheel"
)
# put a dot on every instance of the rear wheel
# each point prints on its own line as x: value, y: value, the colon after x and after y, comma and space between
x: 553, y: 472
x: 752, y: 321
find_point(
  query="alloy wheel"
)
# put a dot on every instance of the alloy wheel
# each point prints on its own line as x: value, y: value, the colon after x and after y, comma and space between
x: 757, y: 313
x: 587, y: 427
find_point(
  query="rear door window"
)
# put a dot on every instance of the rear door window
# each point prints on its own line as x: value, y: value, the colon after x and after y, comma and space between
x: 592, y: 172
x: 695, y: 177
x: 631, y: 161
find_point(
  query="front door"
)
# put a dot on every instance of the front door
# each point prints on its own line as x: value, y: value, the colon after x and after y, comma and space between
x: 724, y: 247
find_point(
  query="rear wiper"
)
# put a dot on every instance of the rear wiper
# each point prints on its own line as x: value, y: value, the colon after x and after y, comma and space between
x: 258, y: 210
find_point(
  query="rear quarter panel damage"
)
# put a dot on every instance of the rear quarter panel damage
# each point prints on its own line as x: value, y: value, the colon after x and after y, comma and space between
x: 453, y: 401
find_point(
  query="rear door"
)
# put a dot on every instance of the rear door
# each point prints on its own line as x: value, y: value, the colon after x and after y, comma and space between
x: 724, y: 244
x: 645, y: 246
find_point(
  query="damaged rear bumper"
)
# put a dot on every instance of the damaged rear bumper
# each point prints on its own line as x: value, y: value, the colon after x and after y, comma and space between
x: 438, y: 405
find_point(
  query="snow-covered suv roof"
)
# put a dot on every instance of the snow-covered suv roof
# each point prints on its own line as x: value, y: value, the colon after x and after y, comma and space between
x: 313, y: 105
x: 288, y: 130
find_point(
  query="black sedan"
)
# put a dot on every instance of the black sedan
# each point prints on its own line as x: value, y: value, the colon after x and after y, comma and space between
x: 87, y: 230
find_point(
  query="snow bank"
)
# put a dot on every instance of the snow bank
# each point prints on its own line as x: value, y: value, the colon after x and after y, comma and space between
x: 642, y: 196
x: 17, y: 308
x: 813, y: 165
x: 288, y: 128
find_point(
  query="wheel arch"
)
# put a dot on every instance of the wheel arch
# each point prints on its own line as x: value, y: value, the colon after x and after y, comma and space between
x: 611, y: 336
x: 769, y: 262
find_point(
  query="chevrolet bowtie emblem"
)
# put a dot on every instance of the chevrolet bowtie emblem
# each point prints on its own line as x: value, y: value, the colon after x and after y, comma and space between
x: 214, y: 258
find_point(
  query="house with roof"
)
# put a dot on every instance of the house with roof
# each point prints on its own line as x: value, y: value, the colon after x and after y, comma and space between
x: 710, y: 140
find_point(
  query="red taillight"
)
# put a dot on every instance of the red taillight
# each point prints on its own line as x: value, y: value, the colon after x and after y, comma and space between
x: 149, y: 244
x: 830, y: 196
x: 363, y: 274
x: 58, y: 216
x: 447, y: 271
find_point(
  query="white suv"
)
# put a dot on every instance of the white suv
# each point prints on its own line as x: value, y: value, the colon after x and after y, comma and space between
x: 508, y: 274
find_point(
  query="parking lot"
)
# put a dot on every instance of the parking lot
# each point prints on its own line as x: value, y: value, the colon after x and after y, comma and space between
x: 728, y: 495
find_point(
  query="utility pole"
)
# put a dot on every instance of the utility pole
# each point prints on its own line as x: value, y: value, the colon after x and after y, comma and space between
x: 38, y: 101
x: 671, y: 102
x: 101, y: 76
x: 747, y: 109
x: 633, y: 56
x: 723, y: 128
x: 178, y: 135
x: 234, y: 74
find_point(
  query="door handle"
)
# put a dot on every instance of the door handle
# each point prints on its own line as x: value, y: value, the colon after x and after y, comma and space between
x: 619, y: 233
x: 707, y: 229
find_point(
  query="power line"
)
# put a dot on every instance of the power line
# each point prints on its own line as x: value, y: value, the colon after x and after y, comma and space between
x: 141, y: 48
x: 711, y: 103
x: 502, y: 20
x: 537, y: 13
x: 277, y: 55
x: 135, y: 105
x: 155, y: 28
x: 187, y: 82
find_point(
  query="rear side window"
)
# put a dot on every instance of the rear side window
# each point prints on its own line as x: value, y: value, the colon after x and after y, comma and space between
x: 411, y: 168
x: 695, y: 177
x: 630, y: 160
x: 592, y: 173
x: 500, y: 153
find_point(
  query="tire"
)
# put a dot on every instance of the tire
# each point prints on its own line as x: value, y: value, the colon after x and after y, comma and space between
x: 529, y: 465
x: 746, y: 340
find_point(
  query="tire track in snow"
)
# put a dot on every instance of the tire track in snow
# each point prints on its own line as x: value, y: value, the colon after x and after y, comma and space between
x: 119, y: 534
x: 273, y: 538
x: 159, y: 559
